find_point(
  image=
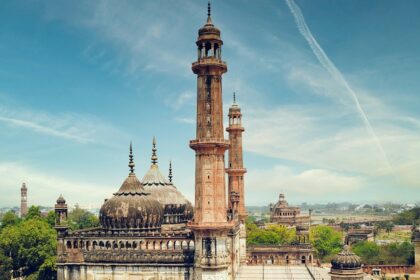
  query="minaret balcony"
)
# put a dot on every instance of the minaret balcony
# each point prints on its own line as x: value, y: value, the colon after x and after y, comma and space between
x: 235, y: 171
x: 235, y: 127
x: 210, y: 143
x: 209, y: 62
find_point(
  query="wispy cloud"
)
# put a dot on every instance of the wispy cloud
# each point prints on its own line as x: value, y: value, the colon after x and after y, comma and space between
x: 314, y: 183
x: 67, y: 126
x: 332, y: 69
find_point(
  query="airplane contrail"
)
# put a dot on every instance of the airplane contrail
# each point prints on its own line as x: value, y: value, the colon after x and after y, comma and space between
x: 334, y: 72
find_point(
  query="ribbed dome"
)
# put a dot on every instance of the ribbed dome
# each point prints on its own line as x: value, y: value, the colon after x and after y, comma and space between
x: 346, y: 260
x: 172, y: 200
x: 131, y: 207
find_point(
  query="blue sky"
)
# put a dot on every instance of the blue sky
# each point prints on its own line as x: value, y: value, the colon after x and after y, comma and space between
x: 80, y: 79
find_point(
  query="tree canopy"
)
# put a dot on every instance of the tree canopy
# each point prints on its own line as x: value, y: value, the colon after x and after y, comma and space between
x: 393, y: 253
x: 327, y: 242
x: 28, y: 245
x: 271, y: 235
x: 408, y: 217
x: 79, y: 218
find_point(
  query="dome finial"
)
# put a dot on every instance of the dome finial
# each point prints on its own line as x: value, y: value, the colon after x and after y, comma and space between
x: 131, y: 162
x: 170, y: 171
x: 208, y: 9
x: 154, y: 156
x: 209, y: 22
x: 234, y: 97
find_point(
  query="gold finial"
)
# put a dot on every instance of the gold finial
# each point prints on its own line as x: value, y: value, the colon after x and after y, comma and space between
x: 131, y: 161
x: 170, y: 171
x: 154, y: 156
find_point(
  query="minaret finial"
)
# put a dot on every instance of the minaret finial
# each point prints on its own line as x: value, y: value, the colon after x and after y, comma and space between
x: 154, y: 156
x: 208, y: 9
x: 170, y: 171
x: 234, y: 97
x: 131, y: 161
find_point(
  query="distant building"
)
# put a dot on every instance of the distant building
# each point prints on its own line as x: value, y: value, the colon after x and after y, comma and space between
x: 283, y: 214
x: 357, y: 235
x: 23, y: 200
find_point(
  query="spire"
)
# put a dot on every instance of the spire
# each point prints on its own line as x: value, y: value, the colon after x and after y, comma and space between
x: 234, y: 97
x: 154, y: 156
x: 170, y: 171
x: 209, y: 14
x: 131, y: 162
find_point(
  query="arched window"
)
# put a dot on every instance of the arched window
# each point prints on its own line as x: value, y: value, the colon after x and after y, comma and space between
x: 191, y: 245
x: 68, y: 245
x: 170, y: 245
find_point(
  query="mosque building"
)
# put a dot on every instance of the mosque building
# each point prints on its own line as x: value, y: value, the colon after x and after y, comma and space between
x: 148, y: 229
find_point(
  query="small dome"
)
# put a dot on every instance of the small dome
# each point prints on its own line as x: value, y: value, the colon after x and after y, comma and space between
x: 61, y: 200
x: 131, y: 207
x: 209, y: 29
x: 346, y: 259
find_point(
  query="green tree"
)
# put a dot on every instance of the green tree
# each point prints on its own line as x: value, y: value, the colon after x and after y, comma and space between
x: 50, y: 219
x: 408, y: 217
x: 9, y: 218
x: 368, y: 251
x: 326, y: 241
x: 272, y: 235
x: 34, y: 212
x: 393, y: 254
x: 29, y: 245
x: 79, y: 218
x: 5, y: 266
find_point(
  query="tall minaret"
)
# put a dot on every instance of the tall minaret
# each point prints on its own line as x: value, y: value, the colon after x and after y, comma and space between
x: 23, y: 200
x: 236, y: 171
x: 210, y: 223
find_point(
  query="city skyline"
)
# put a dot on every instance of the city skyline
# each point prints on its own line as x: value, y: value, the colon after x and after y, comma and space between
x: 326, y: 118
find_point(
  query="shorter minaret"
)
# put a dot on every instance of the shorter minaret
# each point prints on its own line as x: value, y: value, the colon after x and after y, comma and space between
x: 236, y: 171
x: 23, y: 200
x: 60, y: 209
